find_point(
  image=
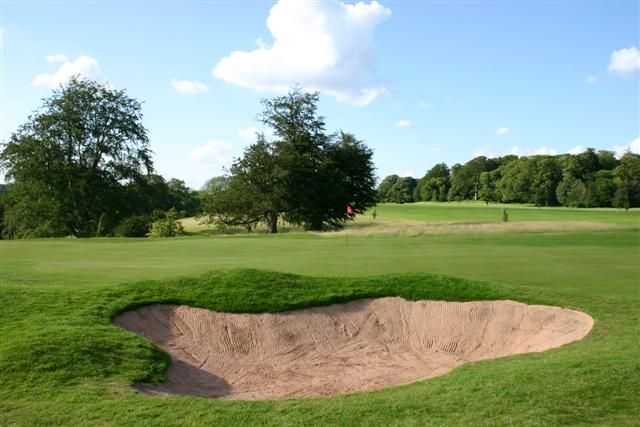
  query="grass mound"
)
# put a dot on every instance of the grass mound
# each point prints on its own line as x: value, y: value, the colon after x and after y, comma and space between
x: 63, y: 362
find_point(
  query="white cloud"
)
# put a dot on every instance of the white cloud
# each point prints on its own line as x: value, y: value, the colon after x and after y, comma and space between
x: 56, y: 58
x: 503, y: 131
x: 83, y: 66
x: 591, y: 79
x: 625, y: 61
x: 189, y: 87
x: 578, y: 149
x: 214, y: 152
x: 633, y: 146
x: 321, y: 45
x: 404, y: 123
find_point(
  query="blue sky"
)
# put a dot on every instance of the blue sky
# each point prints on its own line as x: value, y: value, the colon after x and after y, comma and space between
x: 420, y: 81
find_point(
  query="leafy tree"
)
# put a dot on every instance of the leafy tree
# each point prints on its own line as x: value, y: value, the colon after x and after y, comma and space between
x: 489, y: 186
x: 185, y: 200
x: 167, y: 225
x: 516, y: 180
x: 350, y: 178
x: 545, y: 181
x: 256, y: 191
x: 603, y: 189
x: 627, y: 179
x: 465, y: 179
x: 69, y: 161
x: 145, y: 194
x: 607, y: 160
x: 582, y: 166
x: 385, y: 186
x: 572, y: 192
x: 216, y: 183
x: 316, y: 179
x: 3, y: 191
x: 300, y: 150
x: 304, y: 176
x: 434, y: 186
x: 134, y: 226
x: 402, y: 191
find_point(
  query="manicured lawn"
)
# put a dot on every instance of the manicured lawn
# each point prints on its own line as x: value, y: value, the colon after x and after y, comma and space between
x: 63, y: 363
x: 454, y: 212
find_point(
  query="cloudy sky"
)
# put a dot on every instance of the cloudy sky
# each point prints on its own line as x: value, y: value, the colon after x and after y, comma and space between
x: 420, y: 81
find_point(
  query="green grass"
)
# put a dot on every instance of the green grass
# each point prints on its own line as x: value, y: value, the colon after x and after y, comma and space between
x: 455, y: 212
x: 62, y: 362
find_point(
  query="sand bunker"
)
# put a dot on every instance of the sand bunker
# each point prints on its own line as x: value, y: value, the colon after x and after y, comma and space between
x: 323, y: 351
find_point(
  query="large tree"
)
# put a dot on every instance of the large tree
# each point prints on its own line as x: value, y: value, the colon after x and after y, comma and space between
x: 255, y: 191
x: 434, y: 186
x: 627, y: 179
x: 304, y: 175
x: 69, y: 161
x: 546, y: 176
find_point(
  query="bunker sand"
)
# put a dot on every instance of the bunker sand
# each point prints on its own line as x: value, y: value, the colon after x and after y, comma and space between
x: 362, y: 345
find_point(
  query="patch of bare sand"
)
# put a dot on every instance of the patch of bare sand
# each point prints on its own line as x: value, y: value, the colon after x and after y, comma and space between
x: 363, y: 345
x: 417, y: 228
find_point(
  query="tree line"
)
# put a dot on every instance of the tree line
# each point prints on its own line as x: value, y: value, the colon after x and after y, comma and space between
x: 589, y: 179
x: 82, y: 166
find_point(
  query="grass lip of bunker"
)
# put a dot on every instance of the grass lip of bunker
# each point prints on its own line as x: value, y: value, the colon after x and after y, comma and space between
x: 363, y: 345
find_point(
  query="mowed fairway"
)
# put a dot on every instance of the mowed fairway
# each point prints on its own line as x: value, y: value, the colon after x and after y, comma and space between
x: 62, y: 362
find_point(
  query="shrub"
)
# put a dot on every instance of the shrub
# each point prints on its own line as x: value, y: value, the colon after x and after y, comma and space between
x: 134, y: 226
x: 167, y: 226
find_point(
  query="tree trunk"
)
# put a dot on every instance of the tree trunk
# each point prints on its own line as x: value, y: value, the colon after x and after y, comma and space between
x: 99, y: 228
x: 273, y: 223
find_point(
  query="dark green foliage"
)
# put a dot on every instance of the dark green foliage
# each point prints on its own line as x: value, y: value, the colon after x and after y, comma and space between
x: 434, y: 186
x: 134, y: 226
x: 465, y: 179
x: 607, y: 160
x: 488, y: 186
x: 69, y: 160
x: 3, y: 195
x: 517, y: 180
x: 183, y: 199
x: 167, y: 225
x: 588, y: 179
x: 216, y: 183
x: 546, y: 177
x: 572, y: 192
x: 385, y: 187
x: 304, y: 176
x: 254, y: 193
x: 627, y: 179
x: 402, y: 191
x: 603, y: 189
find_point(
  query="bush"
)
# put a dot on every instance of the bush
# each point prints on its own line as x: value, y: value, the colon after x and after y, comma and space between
x: 134, y: 226
x: 167, y: 225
